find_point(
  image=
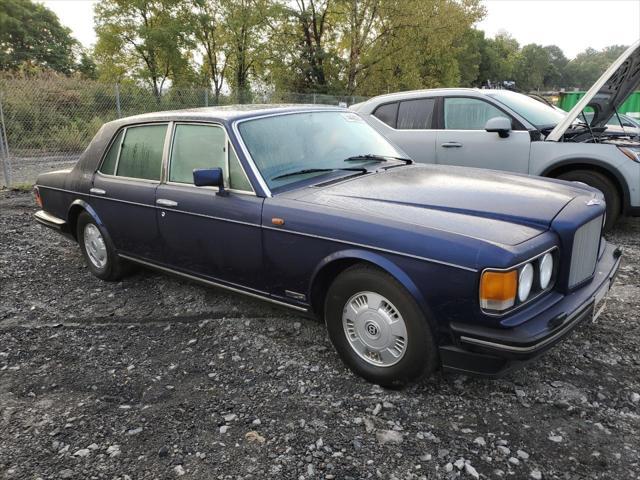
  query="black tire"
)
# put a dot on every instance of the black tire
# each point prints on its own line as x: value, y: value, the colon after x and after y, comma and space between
x: 420, y: 355
x: 605, y: 185
x: 114, y: 268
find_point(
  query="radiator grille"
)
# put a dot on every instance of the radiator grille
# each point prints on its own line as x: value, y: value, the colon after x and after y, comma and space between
x: 585, y: 251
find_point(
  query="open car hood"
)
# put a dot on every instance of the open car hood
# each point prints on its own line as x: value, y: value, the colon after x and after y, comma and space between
x: 608, y: 93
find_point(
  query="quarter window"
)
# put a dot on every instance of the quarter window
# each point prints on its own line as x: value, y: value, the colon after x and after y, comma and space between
x: 468, y: 113
x: 196, y: 146
x: 141, y: 152
x: 415, y: 114
x: 387, y: 113
x: 110, y: 160
x: 237, y: 178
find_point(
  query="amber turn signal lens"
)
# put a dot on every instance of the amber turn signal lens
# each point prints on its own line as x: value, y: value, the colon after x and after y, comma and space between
x: 498, y: 290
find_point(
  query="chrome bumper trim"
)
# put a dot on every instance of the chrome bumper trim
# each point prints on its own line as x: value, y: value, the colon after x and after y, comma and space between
x: 49, y: 220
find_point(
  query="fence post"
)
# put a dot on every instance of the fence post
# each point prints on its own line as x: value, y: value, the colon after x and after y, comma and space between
x: 314, y: 98
x: 118, y: 110
x: 4, y: 151
x: 206, y: 97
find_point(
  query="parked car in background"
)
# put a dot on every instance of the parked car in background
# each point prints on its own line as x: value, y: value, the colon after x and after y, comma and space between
x: 411, y: 266
x: 505, y: 130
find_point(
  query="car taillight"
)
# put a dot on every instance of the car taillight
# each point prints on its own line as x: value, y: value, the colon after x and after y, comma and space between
x: 36, y: 192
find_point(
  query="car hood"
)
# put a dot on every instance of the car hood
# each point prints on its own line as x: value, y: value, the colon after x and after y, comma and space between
x: 608, y: 93
x: 494, y: 206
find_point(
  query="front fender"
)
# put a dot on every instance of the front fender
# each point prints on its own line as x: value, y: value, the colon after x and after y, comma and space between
x: 379, y: 261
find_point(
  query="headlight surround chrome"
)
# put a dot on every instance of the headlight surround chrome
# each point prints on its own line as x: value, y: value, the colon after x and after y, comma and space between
x: 525, y: 287
x: 525, y: 282
x: 545, y: 269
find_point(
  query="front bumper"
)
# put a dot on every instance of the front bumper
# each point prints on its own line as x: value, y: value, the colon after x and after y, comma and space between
x: 493, y: 352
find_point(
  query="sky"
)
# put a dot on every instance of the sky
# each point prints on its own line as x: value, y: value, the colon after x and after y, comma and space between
x: 573, y: 25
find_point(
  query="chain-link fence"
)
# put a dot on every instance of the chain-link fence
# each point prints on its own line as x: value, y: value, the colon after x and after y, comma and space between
x: 45, y: 123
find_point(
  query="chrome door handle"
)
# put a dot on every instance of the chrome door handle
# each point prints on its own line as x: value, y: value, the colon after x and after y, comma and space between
x: 166, y: 203
x: 451, y: 145
x: 97, y: 191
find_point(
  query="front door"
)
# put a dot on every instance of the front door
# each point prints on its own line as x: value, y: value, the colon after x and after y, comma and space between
x: 204, y: 233
x: 124, y: 189
x: 463, y: 140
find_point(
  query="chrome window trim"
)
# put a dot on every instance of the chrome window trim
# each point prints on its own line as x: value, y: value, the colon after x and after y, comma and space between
x: 124, y: 134
x: 259, y: 294
x: 245, y: 150
x: 515, y: 267
x: 226, y: 172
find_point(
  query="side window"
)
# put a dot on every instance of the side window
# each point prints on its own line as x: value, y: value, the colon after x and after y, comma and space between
x: 416, y: 114
x: 196, y: 146
x: 237, y: 178
x: 141, y: 153
x: 387, y: 113
x: 468, y: 113
x: 109, y: 163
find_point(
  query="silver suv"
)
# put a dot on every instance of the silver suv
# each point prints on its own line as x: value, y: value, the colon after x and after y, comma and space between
x: 504, y: 130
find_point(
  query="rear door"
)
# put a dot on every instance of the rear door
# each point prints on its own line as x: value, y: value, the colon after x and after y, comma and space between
x: 205, y: 233
x: 408, y: 124
x: 124, y: 188
x: 462, y: 140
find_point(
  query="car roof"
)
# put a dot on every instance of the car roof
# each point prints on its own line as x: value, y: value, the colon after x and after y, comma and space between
x: 409, y: 94
x: 225, y: 113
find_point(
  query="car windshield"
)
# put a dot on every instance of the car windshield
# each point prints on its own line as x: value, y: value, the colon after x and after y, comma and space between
x: 536, y: 112
x: 292, y: 147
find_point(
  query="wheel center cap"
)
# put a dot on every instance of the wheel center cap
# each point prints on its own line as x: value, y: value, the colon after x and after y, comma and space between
x: 372, y: 329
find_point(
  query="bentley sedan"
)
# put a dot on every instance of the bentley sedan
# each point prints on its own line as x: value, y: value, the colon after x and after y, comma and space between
x: 412, y: 267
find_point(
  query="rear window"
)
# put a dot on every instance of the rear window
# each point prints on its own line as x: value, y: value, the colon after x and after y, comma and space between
x: 387, y: 113
x: 141, y: 152
x: 416, y: 114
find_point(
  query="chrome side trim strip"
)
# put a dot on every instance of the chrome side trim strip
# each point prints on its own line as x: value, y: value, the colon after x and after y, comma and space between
x: 238, y: 289
x: 380, y: 249
x: 569, y: 324
x: 292, y: 232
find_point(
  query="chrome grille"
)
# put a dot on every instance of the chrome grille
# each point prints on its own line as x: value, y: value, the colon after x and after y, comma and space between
x: 584, y: 253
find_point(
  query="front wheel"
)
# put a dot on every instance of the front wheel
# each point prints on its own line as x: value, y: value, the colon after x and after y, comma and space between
x: 378, y: 329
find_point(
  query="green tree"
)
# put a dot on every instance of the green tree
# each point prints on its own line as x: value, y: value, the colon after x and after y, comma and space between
x: 531, y: 67
x: 584, y: 70
x: 31, y: 36
x: 499, y: 57
x: 144, y: 38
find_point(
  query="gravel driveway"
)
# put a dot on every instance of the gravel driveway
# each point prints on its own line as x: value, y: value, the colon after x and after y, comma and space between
x: 153, y: 377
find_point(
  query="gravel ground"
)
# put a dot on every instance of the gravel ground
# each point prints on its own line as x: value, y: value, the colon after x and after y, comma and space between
x: 153, y: 377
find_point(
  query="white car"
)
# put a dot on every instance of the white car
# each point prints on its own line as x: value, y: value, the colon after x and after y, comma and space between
x: 504, y: 130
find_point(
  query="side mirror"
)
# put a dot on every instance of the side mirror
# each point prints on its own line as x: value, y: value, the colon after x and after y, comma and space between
x: 499, y: 125
x: 210, y: 177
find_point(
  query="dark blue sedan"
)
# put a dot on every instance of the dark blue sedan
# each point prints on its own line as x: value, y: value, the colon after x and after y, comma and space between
x: 412, y: 267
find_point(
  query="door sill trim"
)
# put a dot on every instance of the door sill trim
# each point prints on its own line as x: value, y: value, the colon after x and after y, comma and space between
x: 211, y: 283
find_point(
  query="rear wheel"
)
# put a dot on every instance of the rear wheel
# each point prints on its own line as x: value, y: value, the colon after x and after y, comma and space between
x: 378, y: 329
x: 99, y: 253
x: 602, y: 183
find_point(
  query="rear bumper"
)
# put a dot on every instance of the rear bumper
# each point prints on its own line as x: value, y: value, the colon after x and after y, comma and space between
x: 493, y: 352
x: 53, y: 222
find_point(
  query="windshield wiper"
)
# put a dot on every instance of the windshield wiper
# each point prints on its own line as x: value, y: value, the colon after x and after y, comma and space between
x: 378, y: 158
x: 318, y: 170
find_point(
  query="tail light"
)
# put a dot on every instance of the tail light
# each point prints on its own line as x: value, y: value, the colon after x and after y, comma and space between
x: 36, y: 192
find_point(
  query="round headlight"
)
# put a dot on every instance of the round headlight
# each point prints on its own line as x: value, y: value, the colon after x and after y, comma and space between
x: 546, y: 270
x: 525, y: 282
